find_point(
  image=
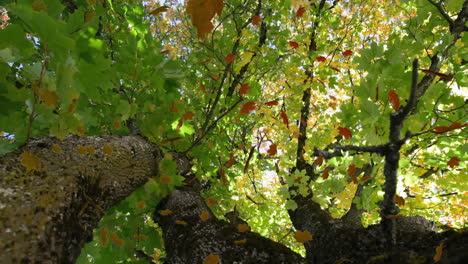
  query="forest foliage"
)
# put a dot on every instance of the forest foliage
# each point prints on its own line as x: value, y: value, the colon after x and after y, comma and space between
x: 224, y: 82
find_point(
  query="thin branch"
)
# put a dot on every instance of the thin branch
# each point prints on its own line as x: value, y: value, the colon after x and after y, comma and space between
x: 442, y: 12
x: 338, y: 150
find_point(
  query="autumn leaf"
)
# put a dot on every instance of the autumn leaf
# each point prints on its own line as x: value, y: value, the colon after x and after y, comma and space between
x: 325, y: 174
x: 242, y: 227
x: 272, y: 150
x: 212, y: 259
x: 107, y: 149
x: 347, y: 53
x: 30, y: 161
x: 300, y: 12
x: 202, y: 11
x: 351, y: 172
x: 205, y: 215
x: 302, y: 236
x: 335, y: 69
x: 56, y: 148
x: 248, y: 107
x: 394, y: 100
x: 453, y: 162
x: 293, y: 44
x: 271, y: 103
x: 284, y: 117
x: 244, y: 89
x: 230, y: 162
x: 188, y: 116
x: 104, y: 238
x: 345, y: 132
x: 443, y: 129
x: 319, y: 161
x: 180, y: 222
x: 229, y: 58
x: 50, y: 98
x: 438, y: 254
x: 211, y: 202
x: 165, y: 212
x: 398, y: 199
x: 242, y: 241
x: 256, y: 20
x: 140, y: 204
x: 117, y: 241
x: 320, y: 59
x: 166, y: 179
x: 394, y: 216
x: 158, y: 10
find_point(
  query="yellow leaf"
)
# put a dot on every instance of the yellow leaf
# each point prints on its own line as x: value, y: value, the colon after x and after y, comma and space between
x: 302, y: 236
x: 82, y: 150
x: 245, y: 58
x: 30, y: 161
x: 345, y: 198
x: 242, y: 227
x: 56, y: 148
x: 243, y: 241
x: 165, y: 212
x: 202, y: 11
x: 107, y: 149
x: 212, y: 259
x: 39, y: 6
x: 212, y: 202
x: 116, y: 239
x: 180, y: 222
x: 204, y: 215
x: 90, y: 149
x: 50, y: 98
x: 438, y: 253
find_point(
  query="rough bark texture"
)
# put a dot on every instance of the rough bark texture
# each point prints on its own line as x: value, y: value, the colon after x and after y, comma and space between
x: 194, y: 241
x: 47, y: 215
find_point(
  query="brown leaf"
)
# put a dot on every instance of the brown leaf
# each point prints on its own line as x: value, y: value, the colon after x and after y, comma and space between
x: 230, y: 162
x: 300, y: 12
x: 394, y: 99
x: 256, y: 20
x: 165, y: 212
x: 302, y: 236
x: 453, y: 162
x: 116, y: 239
x: 211, y: 201
x: 284, y: 117
x: 399, y: 200
x: 205, y: 215
x: 272, y: 150
x: 244, y: 89
x: 325, y: 174
x: 293, y: 44
x: 272, y: 103
x: 248, y: 107
x: 104, y: 238
x: 229, y: 58
x: 345, y: 132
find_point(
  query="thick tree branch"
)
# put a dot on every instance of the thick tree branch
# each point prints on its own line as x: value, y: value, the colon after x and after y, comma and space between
x: 338, y: 150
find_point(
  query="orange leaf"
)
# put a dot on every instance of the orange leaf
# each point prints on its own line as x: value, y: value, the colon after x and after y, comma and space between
x: 212, y: 259
x: 248, y: 107
x: 319, y: 161
x: 438, y: 254
x: 202, y: 11
x: 325, y: 174
x: 202, y: 87
x: 399, y: 200
x: 30, y: 161
x: 104, y: 237
x: 284, y: 117
x: 256, y: 20
x: 165, y: 212
x: 453, y: 162
x: 139, y: 237
x: 180, y: 222
x: 242, y: 227
x: 271, y: 103
x: 140, y: 205
x: 229, y: 58
x: 298, y: 179
x: 393, y: 98
x: 204, y: 215
x: 302, y: 236
x: 293, y: 44
x: 211, y: 202
x: 116, y: 239
x: 300, y: 12
x: 320, y: 59
x: 39, y: 6
x: 347, y: 53
x: 230, y: 162
x: 272, y: 150
x: 345, y: 132
x: 244, y: 89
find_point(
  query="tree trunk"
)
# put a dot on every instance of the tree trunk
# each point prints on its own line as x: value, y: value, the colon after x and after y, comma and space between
x: 50, y: 205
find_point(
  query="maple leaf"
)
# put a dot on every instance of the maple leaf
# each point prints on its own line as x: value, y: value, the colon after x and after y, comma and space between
x: 300, y: 12
x: 204, y: 215
x: 272, y: 150
x: 242, y: 227
x: 453, y: 162
x: 438, y: 254
x: 165, y: 212
x: 272, y: 103
x: 256, y: 20
x: 293, y: 44
x: 104, y: 238
x: 211, y: 202
x: 202, y: 11
x: 325, y: 174
x: 394, y: 100
x: 158, y: 10
x: 345, y: 132
x: 284, y: 117
x: 117, y: 241
x: 320, y: 59
x: 347, y: 53
x: 248, y: 107
x: 302, y: 236
x: 229, y: 58
x: 30, y: 161
x: 244, y: 89
x: 212, y: 259
x: 230, y: 162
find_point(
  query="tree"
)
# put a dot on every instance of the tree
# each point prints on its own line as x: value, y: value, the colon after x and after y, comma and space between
x: 233, y: 132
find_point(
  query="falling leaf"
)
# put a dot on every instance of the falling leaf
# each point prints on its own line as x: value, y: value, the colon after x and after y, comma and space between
x: 117, y: 241
x: 347, y: 53
x: 211, y: 202
x: 104, y: 238
x: 242, y: 227
x: 166, y: 179
x: 441, y: 75
x: 140, y: 204
x: 158, y: 10
x: 39, y: 6
x: 107, y: 149
x: 202, y: 11
x: 284, y: 117
x: 293, y: 44
x: 50, y: 98
x: 320, y: 59
x: 453, y: 162
x: 272, y: 150
x: 165, y: 212
x: 302, y: 236
x: 398, y: 199
x: 394, y: 100
x: 319, y: 161
x: 300, y: 12
x: 205, y: 215
x: 243, y: 241
x: 212, y: 259
x: 230, y: 162
x: 56, y: 148
x: 345, y: 132
x: 248, y: 107
x: 256, y: 20
x: 244, y: 89
x: 325, y: 174
x: 180, y: 222
x: 229, y: 58
x: 438, y: 252
x: 272, y: 103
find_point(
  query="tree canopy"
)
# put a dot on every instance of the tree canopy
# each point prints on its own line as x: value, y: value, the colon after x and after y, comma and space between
x: 358, y: 106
